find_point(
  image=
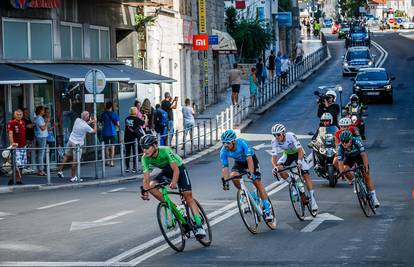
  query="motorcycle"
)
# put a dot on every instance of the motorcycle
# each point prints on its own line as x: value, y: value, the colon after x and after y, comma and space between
x: 323, y: 155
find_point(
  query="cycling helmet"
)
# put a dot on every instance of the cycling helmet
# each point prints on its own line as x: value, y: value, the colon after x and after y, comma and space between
x: 278, y: 128
x: 331, y: 93
x: 354, y: 97
x: 345, y: 122
x: 228, y: 136
x: 148, y: 140
x: 327, y: 117
x: 345, y: 136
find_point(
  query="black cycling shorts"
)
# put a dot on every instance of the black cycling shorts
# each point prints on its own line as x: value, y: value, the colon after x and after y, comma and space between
x: 240, y: 166
x: 350, y: 161
x: 166, y: 175
x: 293, y: 158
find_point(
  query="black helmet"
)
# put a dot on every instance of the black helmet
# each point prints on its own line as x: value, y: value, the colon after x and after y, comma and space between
x: 148, y: 140
x: 354, y: 97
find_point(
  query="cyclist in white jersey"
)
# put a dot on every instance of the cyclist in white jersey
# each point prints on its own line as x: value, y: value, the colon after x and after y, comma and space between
x: 288, y: 144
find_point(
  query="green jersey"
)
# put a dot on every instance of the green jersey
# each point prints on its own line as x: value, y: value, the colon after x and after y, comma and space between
x: 164, y: 158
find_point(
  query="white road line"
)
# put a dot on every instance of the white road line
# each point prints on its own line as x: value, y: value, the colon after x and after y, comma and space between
x: 57, y: 263
x: 3, y: 214
x: 382, y: 50
x: 58, y: 204
x: 114, y: 190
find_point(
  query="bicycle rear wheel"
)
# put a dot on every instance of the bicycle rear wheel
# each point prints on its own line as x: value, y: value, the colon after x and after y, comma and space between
x: 247, y: 211
x: 171, y: 228
x: 205, y: 241
x: 295, y: 199
x: 308, y: 202
x: 272, y: 224
x: 364, y: 199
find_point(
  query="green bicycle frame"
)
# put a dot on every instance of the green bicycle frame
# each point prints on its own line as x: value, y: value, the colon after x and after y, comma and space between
x: 172, y: 207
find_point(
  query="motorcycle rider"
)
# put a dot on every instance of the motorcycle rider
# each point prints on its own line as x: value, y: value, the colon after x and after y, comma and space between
x: 356, y: 108
x: 328, y: 105
x: 345, y: 124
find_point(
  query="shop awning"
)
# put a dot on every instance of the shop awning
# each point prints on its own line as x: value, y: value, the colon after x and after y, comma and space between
x: 10, y: 75
x: 226, y: 42
x: 141, y: 76
x: 74, y: 72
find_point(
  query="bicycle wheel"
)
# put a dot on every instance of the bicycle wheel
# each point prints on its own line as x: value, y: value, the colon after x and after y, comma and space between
x: 364, y: 198
x: 272, y: 224
x: 297, y: 204
x: 205, y: 241
x: 307, y: 200
x: 247, y: 211
x: 171, y: 228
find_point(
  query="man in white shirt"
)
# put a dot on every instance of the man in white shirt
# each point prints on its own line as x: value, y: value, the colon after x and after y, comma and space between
x: 188, y: 119
x: 41, y: 133
x: 77, y: 138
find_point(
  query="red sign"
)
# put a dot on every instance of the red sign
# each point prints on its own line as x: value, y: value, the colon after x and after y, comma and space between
x: 22, y: 4
x: 240, y: 4
x: 391, y: 20
x: 200, y: 42
x: 390, y: 10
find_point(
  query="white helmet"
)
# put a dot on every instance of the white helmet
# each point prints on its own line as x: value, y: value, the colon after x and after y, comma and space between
x: 327, y: 116
x: 345, y: 122
x: 331, y: 93
x: 278, y: 128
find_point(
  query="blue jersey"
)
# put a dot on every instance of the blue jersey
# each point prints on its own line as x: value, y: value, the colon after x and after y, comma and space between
x: 356, y: 149
x: 240, y: 154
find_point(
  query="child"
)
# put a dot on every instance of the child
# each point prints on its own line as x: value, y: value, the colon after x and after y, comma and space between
x: 253, y: 83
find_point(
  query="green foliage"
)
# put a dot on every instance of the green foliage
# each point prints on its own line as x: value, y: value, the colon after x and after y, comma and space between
x: 349, y: 8
x: 399, y: 13
x: 285, y: 6
x: 141, y: 21
x: 231, y: 19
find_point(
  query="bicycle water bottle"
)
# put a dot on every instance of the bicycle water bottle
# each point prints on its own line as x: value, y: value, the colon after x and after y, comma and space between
x: 181, y: 209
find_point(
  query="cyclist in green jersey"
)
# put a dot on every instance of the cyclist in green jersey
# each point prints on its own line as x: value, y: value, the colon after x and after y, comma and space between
x: 172, y: 170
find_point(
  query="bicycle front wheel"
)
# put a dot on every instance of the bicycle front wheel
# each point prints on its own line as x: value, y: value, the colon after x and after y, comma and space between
x: 273, y: 223
x: 247, y: 211
x: 364, y: 199
x: 297, y: 204
x: 205, y: 241
x: 171, y: 228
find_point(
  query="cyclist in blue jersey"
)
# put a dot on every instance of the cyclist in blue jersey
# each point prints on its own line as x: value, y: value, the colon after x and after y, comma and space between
x: 244, y: 160
x: 351, y: 151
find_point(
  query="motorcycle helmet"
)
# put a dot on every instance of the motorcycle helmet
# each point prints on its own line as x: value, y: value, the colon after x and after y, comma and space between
x: 331, y: 93
x: 345, y: 122
x: 354, y: 98
x: 147, y: 141
x: 278, y: 128
x: 228, y: 136
x: 327, y: 117
x: 345, y: 136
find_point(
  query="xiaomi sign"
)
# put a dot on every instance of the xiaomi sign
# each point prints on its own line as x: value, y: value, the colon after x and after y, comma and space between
x: 200, y: 42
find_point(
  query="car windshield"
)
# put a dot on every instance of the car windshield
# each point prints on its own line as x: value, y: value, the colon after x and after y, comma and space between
x: 372, y: 76
x: 357, y: 54
x: 358, y: 30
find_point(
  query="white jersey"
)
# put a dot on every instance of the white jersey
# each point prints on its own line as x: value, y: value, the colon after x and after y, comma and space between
x: 289, y: 146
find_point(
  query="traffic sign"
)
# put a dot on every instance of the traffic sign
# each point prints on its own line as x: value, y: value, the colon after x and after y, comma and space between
x: 390, y: 10
x: 399, y: 20
x: 213, y: 39
x: 99, y: 98
x: 95, y: 77
x: 391, y: 20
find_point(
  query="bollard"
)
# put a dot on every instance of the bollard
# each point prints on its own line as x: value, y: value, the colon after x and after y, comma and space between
x: 122, y: 148
x: 136, y: 158
x: 48, y: 165
x: 204, y: 134
x: 176, y: 141
x: 78, y: 160
x: 211, y: 132
x: 103, y: 159
x: 198, y: 136
x: 13, y: 152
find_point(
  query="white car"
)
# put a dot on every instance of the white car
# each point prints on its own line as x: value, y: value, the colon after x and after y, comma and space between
x: 407, y: 25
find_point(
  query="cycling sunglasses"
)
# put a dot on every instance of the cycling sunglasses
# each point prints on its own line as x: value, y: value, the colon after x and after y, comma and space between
x: 278, y: 135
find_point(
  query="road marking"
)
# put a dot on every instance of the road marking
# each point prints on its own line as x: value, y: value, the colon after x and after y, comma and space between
x: 57, y: 263
x: 114, y: 190
x: 58, y: 204
x: 318, y: 220
x: 382, y: 50
x: 75, y: 226
x: 3, y: 214
x: 269, y: 137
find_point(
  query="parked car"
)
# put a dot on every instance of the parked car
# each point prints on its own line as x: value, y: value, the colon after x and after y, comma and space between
x: 407, y: 25
x: 343, y: 31
x: 373, y: 82
x: 355, y: 58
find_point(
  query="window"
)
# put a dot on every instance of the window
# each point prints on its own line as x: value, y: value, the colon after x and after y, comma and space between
x: 99, y: 43
x: 71, y: 40
x: 27, y: 39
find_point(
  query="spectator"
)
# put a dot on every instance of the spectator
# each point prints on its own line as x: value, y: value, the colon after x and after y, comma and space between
x: 285, y: 69
x: 110, y: 122
x: 271, y: 64
x: 168, y: 104
x: 16, y: 131
x: 253, y: 87
x: 188, y: 119
x: 161, y: 124
x: 299, y: 52
x: 41, y: 134
x: 279, y: 64
x: 259, y: 72
x: 51, y: 142
x: 234, y: 82
x: 30, y: 135
x: 77, y: 138
x: 133, y: 132
x: 149, y: 111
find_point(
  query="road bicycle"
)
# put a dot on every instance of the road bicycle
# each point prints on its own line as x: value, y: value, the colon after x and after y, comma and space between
x: 250, y: 204
x: 361, y: 190
x: 176, y: 222
x: 298, y: 192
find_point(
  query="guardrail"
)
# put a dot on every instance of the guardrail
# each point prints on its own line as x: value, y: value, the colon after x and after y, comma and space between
x: 203, y: 134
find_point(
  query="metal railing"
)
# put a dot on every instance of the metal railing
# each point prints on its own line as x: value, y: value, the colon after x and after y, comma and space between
x: 204, y: 133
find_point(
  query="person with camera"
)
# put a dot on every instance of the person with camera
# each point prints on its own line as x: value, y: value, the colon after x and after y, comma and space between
x: 326, y: 103
x: 168, y: 104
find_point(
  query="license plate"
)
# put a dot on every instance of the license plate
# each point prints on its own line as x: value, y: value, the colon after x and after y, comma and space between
x: 372, y: 93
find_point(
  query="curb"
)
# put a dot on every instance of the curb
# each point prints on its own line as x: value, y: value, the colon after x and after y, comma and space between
x: 238, y: 129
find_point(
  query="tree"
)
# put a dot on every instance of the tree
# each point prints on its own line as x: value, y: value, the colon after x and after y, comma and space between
x: 349, y: 8
x: 231, y: 19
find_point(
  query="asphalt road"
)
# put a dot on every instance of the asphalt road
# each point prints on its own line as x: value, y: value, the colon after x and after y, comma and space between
x: 111, y: 226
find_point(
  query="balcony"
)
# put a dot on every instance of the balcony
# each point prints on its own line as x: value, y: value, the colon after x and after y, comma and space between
x: 157, y: 3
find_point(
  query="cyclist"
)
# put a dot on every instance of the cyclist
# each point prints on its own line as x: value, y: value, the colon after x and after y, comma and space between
x: 244, y: 160
x: 351, y: 151
x: 172, y: 170
x: 345, y: 124
x: 293, y: 151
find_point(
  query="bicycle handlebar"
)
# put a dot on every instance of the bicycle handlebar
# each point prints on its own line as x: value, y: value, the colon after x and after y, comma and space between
x: 352, y: 169
x: 160, y: 185
x: 225, y: 182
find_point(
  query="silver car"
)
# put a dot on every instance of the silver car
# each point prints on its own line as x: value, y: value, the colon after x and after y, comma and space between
x: 355, y: 58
